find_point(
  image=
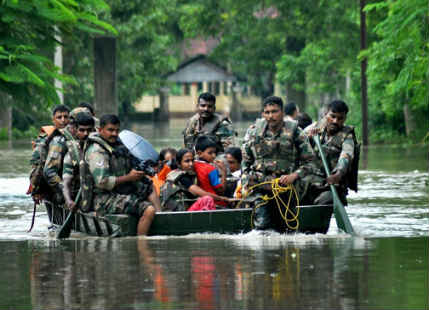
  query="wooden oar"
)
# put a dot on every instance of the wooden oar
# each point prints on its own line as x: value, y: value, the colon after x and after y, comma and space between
x: 341, y: 216
x: 65, y: 230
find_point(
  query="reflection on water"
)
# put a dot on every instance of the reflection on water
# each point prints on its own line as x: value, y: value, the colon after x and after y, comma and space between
x: 297, y: 272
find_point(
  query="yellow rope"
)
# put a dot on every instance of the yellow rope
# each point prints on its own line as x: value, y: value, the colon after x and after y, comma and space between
x: 277, y: 190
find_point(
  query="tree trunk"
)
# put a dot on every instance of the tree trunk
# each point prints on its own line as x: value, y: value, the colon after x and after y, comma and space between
x: 105, y: 76
x: 295, y: 45
x: 297, y: 96
x: 164, y: 113
x: 58, y: 60
x: 363, y: 66
x: 6, y: 115
x: 410, y: 121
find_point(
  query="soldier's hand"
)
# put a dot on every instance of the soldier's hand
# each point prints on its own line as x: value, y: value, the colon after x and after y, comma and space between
x: 313, y: 131
x: 288, y: 178
x: 334, y: 179
x: 134, y: 175
x: 71, y: 205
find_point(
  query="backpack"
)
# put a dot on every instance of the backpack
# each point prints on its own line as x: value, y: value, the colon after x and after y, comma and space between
x: 352, y: 175
x: 38, y: 184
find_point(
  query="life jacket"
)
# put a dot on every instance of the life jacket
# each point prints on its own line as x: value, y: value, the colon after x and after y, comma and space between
x: 85, y: 177
x: 173, y: 196
x: 274, y: 158
x: 38, y: 184
x: 192, y: 131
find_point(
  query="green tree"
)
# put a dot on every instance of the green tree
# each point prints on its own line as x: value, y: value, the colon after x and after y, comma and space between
x: 28, y: 36
x: 147, y: 48
x: 398, y: 65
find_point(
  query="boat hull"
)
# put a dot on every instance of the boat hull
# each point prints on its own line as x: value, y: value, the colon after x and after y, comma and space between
x: 311, y: 219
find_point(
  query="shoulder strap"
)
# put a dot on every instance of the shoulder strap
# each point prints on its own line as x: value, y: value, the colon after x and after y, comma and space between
x: 95, y: 138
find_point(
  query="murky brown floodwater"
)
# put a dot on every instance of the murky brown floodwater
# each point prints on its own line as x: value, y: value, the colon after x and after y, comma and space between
x: 384, y: 267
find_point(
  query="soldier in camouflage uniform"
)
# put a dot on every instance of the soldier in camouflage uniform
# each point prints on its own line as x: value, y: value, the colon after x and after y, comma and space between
x: 118, y: 188
x: 57, y: 148
x: 207, y: 122
x: 274, y: 148
x: 84, y: 123
x: 339, y: 144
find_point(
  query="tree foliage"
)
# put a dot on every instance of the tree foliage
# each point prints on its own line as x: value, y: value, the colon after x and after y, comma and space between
x: 147, y: 48
x: 29, y: 32
x: 398, y: 61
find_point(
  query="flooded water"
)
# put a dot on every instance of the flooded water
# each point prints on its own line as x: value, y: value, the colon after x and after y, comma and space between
x: 384, y: 267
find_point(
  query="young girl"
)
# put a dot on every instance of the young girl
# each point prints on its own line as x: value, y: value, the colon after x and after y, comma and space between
x: 181, y: 190
x: 233, y: 157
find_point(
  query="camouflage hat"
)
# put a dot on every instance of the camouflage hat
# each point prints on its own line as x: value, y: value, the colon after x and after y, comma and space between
x: 75, y: 112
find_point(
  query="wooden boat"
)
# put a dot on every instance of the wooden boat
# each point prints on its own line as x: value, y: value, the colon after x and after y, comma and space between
x: 311, y: 219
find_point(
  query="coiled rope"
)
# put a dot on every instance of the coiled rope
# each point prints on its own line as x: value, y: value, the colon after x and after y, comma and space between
x: 283, y: 207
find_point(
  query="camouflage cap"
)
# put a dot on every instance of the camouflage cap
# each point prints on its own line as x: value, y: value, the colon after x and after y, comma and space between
x: 75, y: 112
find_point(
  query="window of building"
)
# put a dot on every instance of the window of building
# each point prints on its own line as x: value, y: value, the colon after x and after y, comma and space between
x: 200, y: 87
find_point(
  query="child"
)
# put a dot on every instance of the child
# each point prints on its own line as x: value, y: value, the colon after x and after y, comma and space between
x: 233, y: 157
x: 181, y: 189
x: 167, y: 157
x: 211, y: 178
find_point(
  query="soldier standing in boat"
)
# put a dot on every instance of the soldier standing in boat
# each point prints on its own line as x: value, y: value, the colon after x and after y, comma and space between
x: 57, y: 148
x: 274, y: 149
x: 208, y: 123
x: 342, y: 154
x: 84, y: 123
x: 118, y: 188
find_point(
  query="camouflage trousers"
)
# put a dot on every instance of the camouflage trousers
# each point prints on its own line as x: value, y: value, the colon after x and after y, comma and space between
x: 268, y: 214
x: 115, y: 203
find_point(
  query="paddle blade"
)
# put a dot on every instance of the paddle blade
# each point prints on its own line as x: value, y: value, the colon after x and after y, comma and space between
x: 340, y: 213
x: 65, y: 230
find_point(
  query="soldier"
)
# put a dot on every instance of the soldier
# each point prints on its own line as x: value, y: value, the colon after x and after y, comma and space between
x: 57, y: 148
x: 291, y: 111
x: 207, y: 122
x: 118, y: 188
x: 84, y: 123
x: 38, y: 187
x: 273, y: 148
x: 339, y: 146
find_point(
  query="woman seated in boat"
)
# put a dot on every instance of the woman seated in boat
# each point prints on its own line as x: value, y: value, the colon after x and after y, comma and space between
x: 181, y: 192
x: 233, y: 158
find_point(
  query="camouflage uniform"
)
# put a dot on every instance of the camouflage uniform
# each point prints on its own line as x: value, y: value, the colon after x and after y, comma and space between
x: 53, y: 168
x: 106, y: 163
x: 71, y: 165
x: 267, y: 156
x: 339, y: 152
x: 174, y: 197
x: 38, y: 185
x: 219, y: 128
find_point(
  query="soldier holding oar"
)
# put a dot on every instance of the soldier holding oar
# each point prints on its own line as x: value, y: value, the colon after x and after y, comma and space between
x: 338, y: 171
